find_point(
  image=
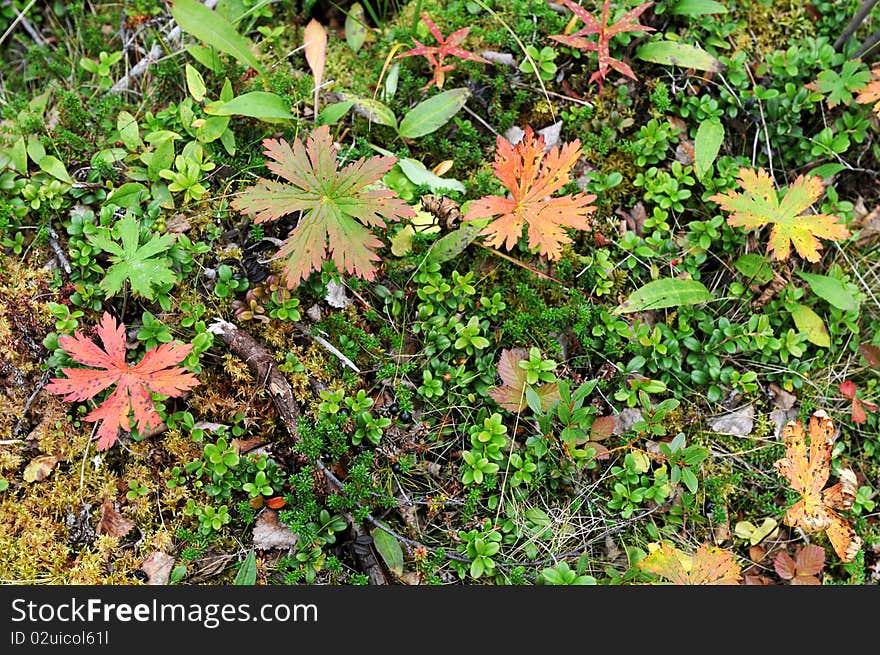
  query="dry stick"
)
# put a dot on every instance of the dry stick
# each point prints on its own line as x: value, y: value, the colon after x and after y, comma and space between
x: 857, y: 20
x: 44, y: 380
x: 58, y: 250
x: 329, y: 346
x: 174, y: 36
x: 364, y: 554
x: 18, y: 19
x: 869, y: 44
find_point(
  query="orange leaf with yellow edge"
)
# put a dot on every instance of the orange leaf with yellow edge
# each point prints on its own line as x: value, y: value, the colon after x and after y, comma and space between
x: 871, y: 93
x: 807, y: 469
x: 759, y: 205
x: 709, y: 565
x: 532, y: 176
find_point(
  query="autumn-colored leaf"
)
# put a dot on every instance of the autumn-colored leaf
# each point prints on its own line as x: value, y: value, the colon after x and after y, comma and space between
x: 39, y: 468
x: 871, y: 92
x: 532, y: 176
x: 335, y: 205
x: 446, y: 47
x: 511, y: 393
x: 807, y: 469
x: 111, y: 522
x: 709, y: 565
x: 857, y: 410
x: 158, y: 568
x: 155, y: 373
x: 759, y: 206
x: 629, y: 22
x: 315, y: 47
x: 802, y: 570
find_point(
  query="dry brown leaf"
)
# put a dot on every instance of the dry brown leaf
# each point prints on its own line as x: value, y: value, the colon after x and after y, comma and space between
x: 241, y: 446
x: 39, y: 468
x: 158, y: 568
x: 112, y: 523
x: 807, y: 469
x: 315, y: 46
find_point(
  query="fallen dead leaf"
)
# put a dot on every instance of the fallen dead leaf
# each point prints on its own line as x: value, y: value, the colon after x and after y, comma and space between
x: 738, y: 423
x: 39, y: 468
x: 781, y: 398
x: 269, y: 532
x: 112, y: 523
x: 241, y: 446
x: 158, y: 568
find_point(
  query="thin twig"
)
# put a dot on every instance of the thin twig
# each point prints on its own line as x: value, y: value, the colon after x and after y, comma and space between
x: 853, y: 25
x: 329, y: 346
x: 27, y: 405
x: 59, y: 251
x: 18, y: 19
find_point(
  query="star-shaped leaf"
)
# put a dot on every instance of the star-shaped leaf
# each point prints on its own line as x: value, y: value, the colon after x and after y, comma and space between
x: 629, y: 22
x: 707, y: 566
x: 807, y: 469
x: 839, y: 87
x: 156, y: 372
x: 532, y: 176
x: 141, y: 265
x: 759, y: 206
x: 335, y: 205
x: 446, y: 47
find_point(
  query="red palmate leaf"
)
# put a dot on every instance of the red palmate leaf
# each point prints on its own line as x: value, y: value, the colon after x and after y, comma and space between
x: 156, y: 372
x: 446, y: 47
x: 532, y: 175
x: 629, y: 22
x: 335, y: 204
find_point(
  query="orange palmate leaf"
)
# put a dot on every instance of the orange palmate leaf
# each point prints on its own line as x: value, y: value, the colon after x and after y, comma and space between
x: 871, y: 93
x: 759, y: 205
x: 709, y: 565
x: 532, y: 176
x: 511, y: 394
x: 336, y: 206
x: 156, y: 372
x: 807, y: 469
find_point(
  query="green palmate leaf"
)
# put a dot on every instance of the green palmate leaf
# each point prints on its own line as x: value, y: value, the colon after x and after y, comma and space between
x: 668, y: 292
x: 140, y: 265
x: 811, y: 324
x: 832, y: 290
x: 697, y: 8
x: 212, y: 28
x: 674, y: 53
x: 755, y: 267
x: 337, y: 207
x: 839, y: 88
x: 710, y: 135
x: 433, y: 113
x: 256, y: 104
x: 390, y: 550
x: 247, y: 572
x: 129, y: 195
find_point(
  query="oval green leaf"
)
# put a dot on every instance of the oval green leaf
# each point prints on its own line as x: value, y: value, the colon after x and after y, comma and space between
x: 673, y: 53
x: 832, y: 290
x: 256, y: 104
x: 710, y: 135
x: 206, y: 25
x: 433, y: 113
x: 129, y: 195
x: 129, y: 133
x: 355, y: 27
x: 454, y: 243
x: 332, y: 113
x: 195, y: 83
x: 418, y: 173
x: 755, y: 268
x: 697, y: 8
x: 373, y: 110
x: 390, y: 550
x: 811, y: 324
x: 668, y: 292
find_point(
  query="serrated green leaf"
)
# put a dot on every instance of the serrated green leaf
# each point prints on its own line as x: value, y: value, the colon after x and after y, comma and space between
x: 256, y: 104
x: 707, y: 144
x: 433, y: 113
x: 390, y: 550
x: 247, y: 572
x: 668, y: 292
x: 212, y: 28
x: 811, y: 324
x: 832, y: 290
x: 674, y: 53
